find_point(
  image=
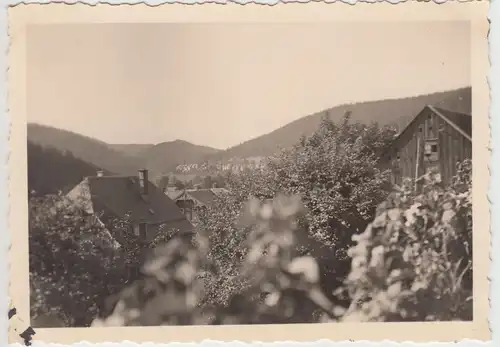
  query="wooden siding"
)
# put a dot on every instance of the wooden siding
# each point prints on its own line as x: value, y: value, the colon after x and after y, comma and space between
x: 408, y: 149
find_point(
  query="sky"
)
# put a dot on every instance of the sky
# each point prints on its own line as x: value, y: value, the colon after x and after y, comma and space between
x: 222, y: 84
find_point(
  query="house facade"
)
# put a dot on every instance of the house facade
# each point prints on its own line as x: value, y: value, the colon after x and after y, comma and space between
x: 436, y: 139
x: 132, y: 197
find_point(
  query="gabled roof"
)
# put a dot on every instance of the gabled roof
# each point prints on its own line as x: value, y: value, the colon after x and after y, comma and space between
x: 462, y: 123
x: 460, y: 120
x: 121, y: 195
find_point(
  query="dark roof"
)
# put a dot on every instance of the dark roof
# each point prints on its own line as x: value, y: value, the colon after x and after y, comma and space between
x: 463, y: 121
x: 121, y: 195
x: 205, y: 196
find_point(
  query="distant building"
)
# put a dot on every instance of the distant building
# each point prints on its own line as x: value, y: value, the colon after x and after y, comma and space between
x: 435, y: 139
x: 147, y: 207
x: 191, y: 200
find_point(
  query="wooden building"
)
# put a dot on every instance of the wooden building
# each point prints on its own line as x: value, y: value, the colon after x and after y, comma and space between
x: 435, y: 139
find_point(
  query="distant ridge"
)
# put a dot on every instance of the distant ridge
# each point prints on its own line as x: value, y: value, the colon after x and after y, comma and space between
x: 393, y: 111
x: 130, y: 149
x: 164, y: 157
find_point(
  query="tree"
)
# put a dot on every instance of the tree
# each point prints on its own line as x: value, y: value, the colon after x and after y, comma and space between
x: 335, y: 173
x: 75, y: 261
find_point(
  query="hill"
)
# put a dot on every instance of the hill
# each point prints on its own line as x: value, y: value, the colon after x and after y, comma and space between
x: 130, y: 149
x: 50, y: 170
x: 92, y: 151
x: 165, y: 156
x: 395, y: 111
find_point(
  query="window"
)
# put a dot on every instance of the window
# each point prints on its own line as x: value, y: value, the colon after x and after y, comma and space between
x: 431, y: 152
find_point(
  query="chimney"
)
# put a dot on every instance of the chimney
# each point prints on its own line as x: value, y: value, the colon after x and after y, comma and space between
x: 100, y: 173
x: 143, y: 181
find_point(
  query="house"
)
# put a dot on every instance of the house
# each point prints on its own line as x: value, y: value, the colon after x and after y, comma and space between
x: 190, y: 200
x: 149, y: 210
x: 435, y: 139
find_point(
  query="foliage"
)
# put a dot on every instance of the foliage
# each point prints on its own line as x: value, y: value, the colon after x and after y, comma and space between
x: 169, y: 291
x: 414, y: 261
x: 335, y: 172
x: 71, y: 261
x: 75, y: 261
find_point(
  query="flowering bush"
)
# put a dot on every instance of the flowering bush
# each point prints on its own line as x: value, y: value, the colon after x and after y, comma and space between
x: 74, y: 260
x: 335, y: 174
x: 414, y: 261
x: 169, y: 291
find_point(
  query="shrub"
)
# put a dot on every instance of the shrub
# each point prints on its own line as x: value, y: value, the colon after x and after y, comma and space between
x: 169, y: 291
x: 74, y: 261
x: 414, y: 261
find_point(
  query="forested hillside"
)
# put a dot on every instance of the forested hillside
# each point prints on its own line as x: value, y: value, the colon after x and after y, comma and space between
x: 90, y: 150
x: 50, y: 171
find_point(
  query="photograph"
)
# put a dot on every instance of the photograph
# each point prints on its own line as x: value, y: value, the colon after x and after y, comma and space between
x: 252, y: 173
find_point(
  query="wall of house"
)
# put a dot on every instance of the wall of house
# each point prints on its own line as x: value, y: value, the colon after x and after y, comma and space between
x: 430, y: 134
x: 187, y: 208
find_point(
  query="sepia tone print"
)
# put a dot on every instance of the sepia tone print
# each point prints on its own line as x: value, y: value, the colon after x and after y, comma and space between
x: 253, y: 174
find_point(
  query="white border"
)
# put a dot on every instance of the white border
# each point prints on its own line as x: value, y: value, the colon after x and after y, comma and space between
x: 494, y: 40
